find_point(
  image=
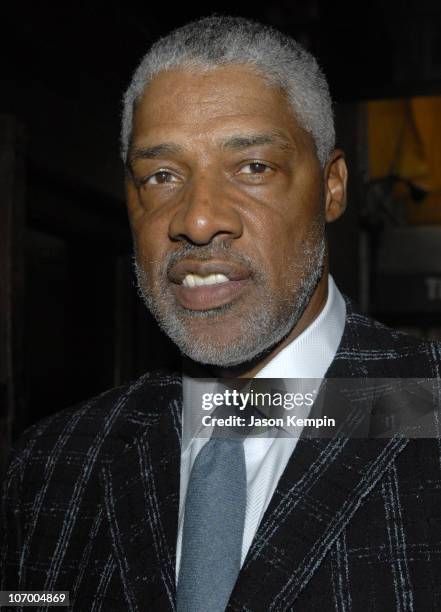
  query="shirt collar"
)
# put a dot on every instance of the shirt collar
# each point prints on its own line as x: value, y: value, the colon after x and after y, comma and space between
x: 311, y: 353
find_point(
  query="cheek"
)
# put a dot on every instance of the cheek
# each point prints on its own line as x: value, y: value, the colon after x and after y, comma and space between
x: 150, y: 235
x: 147, y: 230
x: 282, y: 248
x: 148, y: 253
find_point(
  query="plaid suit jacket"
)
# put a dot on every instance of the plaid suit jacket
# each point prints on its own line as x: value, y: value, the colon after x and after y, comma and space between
x: 91, y: 503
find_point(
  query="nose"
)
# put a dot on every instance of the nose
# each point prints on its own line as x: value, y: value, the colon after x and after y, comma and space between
x: 204, y: 213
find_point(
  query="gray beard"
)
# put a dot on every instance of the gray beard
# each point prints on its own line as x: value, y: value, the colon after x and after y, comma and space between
x: 267, y: 323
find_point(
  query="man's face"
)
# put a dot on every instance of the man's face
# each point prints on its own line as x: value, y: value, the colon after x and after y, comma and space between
x: 226, y: 204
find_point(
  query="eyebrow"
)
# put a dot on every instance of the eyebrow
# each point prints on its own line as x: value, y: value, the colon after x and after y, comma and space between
x: 245, y: 141
x: 160, y: 150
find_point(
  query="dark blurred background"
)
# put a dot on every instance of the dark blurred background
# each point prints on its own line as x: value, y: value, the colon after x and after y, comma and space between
x: 71, y: 323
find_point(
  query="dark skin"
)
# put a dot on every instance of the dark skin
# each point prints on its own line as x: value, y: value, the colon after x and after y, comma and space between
x: 220, y: 157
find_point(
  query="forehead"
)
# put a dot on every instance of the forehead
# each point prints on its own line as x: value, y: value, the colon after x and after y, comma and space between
x: 200, y: 105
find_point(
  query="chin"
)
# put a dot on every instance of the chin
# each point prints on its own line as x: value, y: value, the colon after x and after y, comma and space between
x: 212, y: 342
x: 209, y: 356
x: 221, y: 346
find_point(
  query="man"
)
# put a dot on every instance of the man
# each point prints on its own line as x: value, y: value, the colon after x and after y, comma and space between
x: 228, y: 141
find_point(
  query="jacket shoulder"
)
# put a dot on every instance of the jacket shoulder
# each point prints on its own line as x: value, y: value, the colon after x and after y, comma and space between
x: 104, y: 425
x: 370, y: 348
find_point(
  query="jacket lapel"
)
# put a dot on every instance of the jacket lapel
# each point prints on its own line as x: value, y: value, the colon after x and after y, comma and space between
x: 323, y: 485
x: 320, y: 490
x: 141, y: 493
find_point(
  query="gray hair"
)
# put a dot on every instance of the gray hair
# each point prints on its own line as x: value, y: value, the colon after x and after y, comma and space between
x: 215, y: 41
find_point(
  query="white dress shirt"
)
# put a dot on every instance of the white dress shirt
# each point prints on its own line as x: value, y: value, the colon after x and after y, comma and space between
x: 307, y: 356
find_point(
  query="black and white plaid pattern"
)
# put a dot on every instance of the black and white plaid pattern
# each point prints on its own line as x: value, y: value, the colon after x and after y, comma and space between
x: 90, y: 503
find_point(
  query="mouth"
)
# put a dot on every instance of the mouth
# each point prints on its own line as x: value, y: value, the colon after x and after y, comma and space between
x: 205, y: 285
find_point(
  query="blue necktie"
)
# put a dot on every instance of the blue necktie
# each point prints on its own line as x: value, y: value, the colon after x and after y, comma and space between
x: 213, y: 527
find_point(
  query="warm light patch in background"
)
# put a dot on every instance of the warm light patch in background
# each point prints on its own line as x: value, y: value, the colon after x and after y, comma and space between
x: 404, y: 138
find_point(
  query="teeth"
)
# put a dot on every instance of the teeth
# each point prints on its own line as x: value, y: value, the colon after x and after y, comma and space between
x: 194, y: 280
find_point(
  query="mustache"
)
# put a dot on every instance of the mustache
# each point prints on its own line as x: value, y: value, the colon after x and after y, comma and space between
x: 206, y: 252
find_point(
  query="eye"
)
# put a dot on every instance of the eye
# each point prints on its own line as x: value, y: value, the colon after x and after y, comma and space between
x: 255, y: 168
x: 159, y: 178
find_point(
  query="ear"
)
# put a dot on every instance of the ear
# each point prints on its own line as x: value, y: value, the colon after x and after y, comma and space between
x: 336, y: 175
